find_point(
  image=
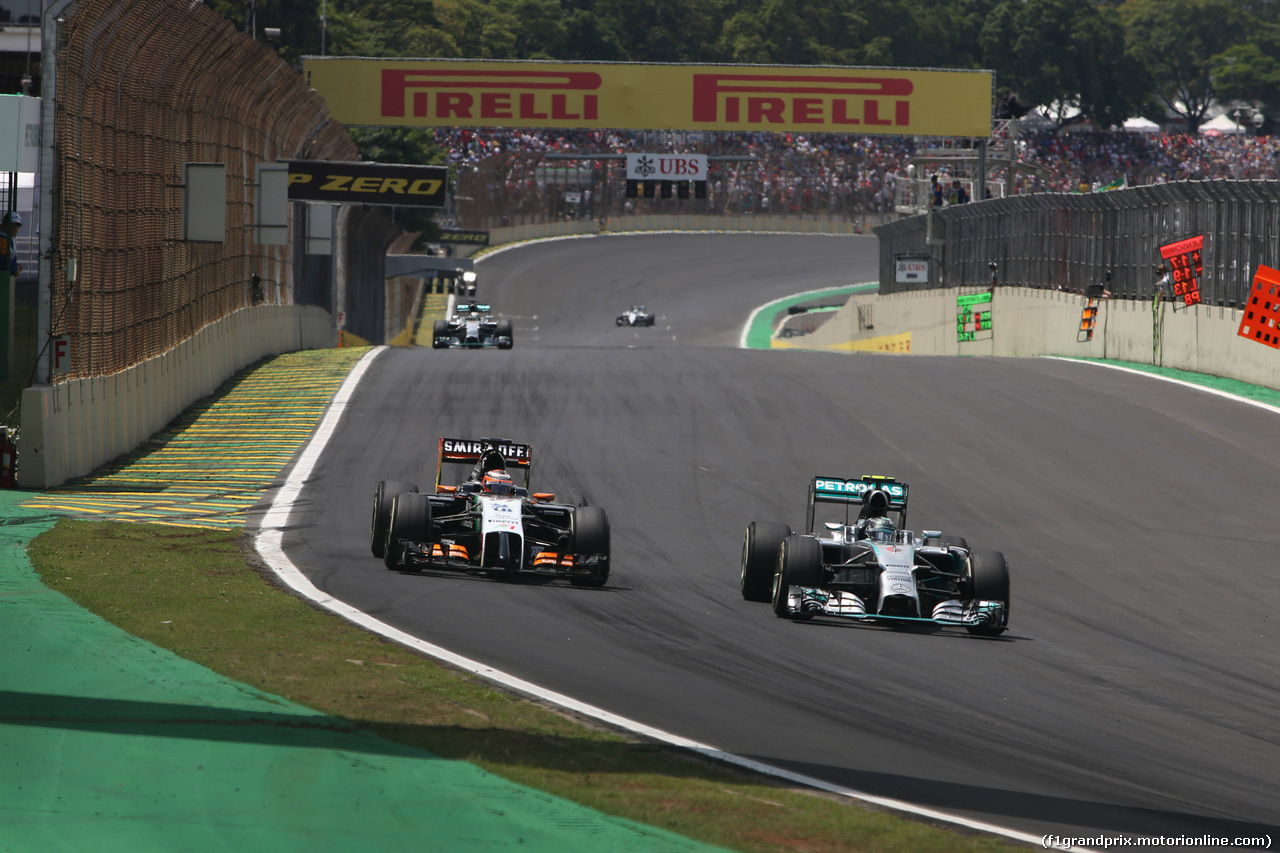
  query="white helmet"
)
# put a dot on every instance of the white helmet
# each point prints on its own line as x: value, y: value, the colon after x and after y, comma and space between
x: 881, y: 530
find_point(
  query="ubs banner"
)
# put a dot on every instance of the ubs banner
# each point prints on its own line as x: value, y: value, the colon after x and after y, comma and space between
x: 805, y: 99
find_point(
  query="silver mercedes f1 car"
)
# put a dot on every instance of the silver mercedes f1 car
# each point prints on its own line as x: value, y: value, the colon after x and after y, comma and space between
x: 487, y: 522
x: 866, y: 566
x: 472, y: 326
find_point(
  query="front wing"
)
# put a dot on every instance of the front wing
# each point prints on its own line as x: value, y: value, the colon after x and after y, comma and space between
x: 967, y: 613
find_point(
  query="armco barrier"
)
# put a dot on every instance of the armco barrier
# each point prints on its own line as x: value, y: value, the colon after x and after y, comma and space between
x: 1029, y: 322
x: 71, y: 428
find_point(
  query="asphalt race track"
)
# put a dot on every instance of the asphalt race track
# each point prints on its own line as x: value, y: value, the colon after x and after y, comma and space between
x: 1137, y: 690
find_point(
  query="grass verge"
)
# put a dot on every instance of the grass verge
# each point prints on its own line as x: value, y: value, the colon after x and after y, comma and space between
x: 202, y: 594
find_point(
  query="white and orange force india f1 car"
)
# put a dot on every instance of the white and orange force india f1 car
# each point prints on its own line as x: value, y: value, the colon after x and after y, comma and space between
x: 867, y: 566
x: 487, y: 521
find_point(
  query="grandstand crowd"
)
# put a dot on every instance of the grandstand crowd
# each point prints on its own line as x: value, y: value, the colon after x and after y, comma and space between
x: 835, y: 174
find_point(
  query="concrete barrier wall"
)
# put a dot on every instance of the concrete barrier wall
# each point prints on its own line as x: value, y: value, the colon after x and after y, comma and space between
x: 69, y: 429
x: 1029, y: 322
x: 688, y: 222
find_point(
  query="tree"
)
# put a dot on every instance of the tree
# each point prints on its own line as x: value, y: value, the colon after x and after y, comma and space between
x: 1178, y: 40
x: 1251, y: 73
x: 1067, y: 56
x: 668, y: 30
x: 792, y: 32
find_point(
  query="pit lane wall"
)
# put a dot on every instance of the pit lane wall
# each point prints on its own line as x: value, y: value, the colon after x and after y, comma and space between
x: 1029, y: 322
x: 71, y: 428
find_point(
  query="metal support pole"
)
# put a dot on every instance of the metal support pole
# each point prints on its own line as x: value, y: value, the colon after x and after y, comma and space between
x: 980, y: 188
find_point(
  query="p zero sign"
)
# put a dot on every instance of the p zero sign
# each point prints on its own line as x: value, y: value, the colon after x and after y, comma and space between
x: 666, y: 167
x: 808, y: 99
x: 367, y: 183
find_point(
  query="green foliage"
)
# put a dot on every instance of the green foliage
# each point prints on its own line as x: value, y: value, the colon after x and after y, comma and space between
x: 404, y: 28
x: 1066, y: 55
x: 297, y: 20
x: 1177, y: 40
x: 1250, y: 73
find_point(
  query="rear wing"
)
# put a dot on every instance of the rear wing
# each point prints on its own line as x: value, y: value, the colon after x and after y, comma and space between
x: 468, y: 307
x: 482, y: 454
x: 839, y: 490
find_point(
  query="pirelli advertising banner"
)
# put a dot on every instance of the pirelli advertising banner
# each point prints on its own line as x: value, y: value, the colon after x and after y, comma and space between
x: 344, y: 182
x: 801, y: 99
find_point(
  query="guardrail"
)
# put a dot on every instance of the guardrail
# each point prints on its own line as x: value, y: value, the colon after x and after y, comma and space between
x: 1069, y: 241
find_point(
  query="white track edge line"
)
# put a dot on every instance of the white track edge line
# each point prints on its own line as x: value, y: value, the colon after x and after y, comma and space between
x: 1183, y: 382
x: 268, y: 542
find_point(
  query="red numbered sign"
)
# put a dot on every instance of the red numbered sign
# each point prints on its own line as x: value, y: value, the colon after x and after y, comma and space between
x: 1184, y: 260
x: 1261, y: 320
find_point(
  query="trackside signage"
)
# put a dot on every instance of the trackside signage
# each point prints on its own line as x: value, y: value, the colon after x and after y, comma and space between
x: 857, y: 488
x: 367, y: 183
x: 467, y: 450
x: 666, y: 167
x: 468, y: 236
x: 823, y: 99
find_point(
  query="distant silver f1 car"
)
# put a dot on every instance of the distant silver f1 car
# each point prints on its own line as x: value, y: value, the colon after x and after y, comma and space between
x: 472, y: 326
x: 488, y: 522
x: 635, y: 316
x: 870, y: 568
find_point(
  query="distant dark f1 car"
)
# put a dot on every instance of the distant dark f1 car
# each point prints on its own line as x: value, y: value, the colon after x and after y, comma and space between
x: 635, y: 316
x: 488, y: 522
x: 870, y: 568
x: 472, y: 326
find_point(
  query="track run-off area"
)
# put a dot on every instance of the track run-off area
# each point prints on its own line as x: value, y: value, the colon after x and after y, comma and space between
x: 1135, y: 692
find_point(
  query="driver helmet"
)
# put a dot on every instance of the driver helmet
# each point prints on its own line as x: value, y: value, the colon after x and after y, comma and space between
x: 881, y: 530
x: 498, y: 482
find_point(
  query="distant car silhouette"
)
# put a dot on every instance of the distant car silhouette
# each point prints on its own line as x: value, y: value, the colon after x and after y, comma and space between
x: 635, y: 316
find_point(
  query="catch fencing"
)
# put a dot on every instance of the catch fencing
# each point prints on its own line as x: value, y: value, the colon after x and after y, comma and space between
x: 1069, y: 241
x: 144, y: 87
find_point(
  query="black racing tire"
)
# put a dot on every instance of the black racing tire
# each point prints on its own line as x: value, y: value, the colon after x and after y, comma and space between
x: 989, y: 581
x: 799, y: 564
x: 760, y: 558
x: 505, y: 330
x: 621, y: 321
x: 410, y: 522
x: 382, y: 498
x: 589, y: 531
x: 440, y: 334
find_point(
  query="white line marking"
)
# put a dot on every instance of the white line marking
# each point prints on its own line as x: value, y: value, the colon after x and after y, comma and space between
x: 1205, y: 388
x: 268, y: 542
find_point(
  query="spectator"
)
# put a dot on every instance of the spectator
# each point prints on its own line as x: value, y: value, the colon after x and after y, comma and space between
x: 9, y: 225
